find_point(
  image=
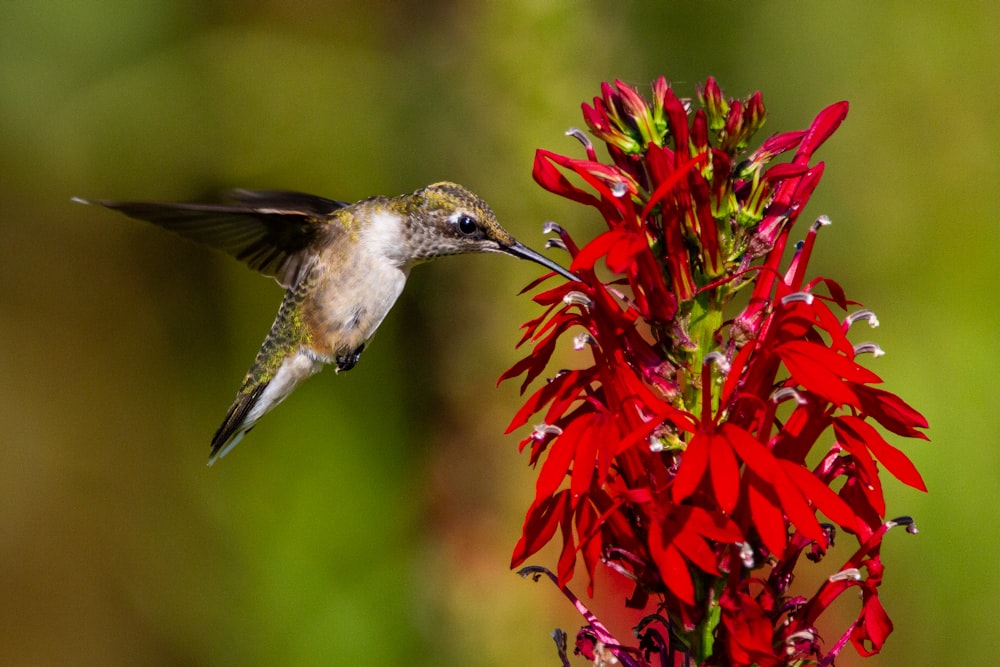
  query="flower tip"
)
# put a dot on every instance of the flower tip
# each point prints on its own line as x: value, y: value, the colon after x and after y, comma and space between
x: 578, y: 298
x: 579, y: 135
x: 869, y: 348
x: 746, y: 554
x: 803, y: 297
x: 550, y: 227
x: 911, y: 525
x: 850, y: 574
x: 719, y: 360
x: 821, y: 221
x: 785, y: 393
x: 582, y: 340
x: 543, y: 431
x: 863, y: 314
x: 533, y: 571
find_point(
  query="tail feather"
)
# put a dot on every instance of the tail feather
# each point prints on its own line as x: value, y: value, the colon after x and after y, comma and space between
x: 235, y: 424
x: 262, y: 391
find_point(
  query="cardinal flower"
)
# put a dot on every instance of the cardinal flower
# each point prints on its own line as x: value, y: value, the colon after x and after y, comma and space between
x: 721, y: 422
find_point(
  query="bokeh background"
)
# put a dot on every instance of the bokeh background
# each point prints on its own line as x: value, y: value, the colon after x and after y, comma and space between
x: 370, y: 519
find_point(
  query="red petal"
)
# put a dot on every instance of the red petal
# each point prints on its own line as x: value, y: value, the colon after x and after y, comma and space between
x: 567, y: 556
x: 549, y: 177
x: 539, y: 526
x: 767, y: 517
x: 874, y: 627
x: 868, y: 476
x: 556, y: 465
x: 891, y: 412
x: 725, y: 473
x: 621, y: 256
x: 696, y: 551
x: 822, y: 496
x: 821, y: 370
x: 825, y: 124
x: 894, y: 460
x: 672, y: 566
x: 568, y: 383
x: 692, y: 467
x: 714, y: 525
x: 585, y: 456
x: 594, y: 250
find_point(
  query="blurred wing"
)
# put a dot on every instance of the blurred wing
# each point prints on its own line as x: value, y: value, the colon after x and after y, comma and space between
x: 272, y: 231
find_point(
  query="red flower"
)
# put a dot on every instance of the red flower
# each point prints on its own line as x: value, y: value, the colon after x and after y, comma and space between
x: 683, y: 454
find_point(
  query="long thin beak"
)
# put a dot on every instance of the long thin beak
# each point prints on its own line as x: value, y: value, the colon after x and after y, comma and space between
x: 518, y: 249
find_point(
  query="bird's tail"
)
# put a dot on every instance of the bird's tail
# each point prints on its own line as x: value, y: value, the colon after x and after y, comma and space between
x: 237, y: 421
x: 283, y: 362
x: 261, y: 392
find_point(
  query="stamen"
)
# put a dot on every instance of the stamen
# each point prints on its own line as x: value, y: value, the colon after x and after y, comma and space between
x: 720, y: 361
x: 582, y: 340
x: 808, y: 636
x: 551, y: 227
x: 785, y: 393
x: 555, y: 243
x: 578, y: 298
x: 863, y: 314
x: 821, y: 221
x: 619, y: 189
x: 911, y: 525
x: 869, y: 348
x: 578, y: 134
x: 804, y: 297
x: 746, y: 554
x: 850, y: 574
x: 542, y: 431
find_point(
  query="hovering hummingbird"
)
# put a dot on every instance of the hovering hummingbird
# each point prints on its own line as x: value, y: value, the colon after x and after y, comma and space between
x: 343, y: 266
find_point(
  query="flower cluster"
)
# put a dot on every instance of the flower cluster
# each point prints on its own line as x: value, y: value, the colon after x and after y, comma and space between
x: 726, y: 425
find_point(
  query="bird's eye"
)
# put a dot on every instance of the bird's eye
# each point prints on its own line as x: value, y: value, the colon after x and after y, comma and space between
x: 467, y: 225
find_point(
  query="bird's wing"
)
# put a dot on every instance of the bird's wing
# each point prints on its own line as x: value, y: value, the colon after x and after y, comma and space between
x: 272, y: 231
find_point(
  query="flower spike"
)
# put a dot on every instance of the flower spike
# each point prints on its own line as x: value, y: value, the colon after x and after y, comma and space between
x: 682, y: 454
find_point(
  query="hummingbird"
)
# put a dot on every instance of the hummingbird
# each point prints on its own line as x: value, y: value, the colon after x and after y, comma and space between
x: 342, y: 265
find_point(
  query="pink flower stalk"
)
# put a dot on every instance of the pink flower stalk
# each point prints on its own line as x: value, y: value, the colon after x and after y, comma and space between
x: 712, y: 440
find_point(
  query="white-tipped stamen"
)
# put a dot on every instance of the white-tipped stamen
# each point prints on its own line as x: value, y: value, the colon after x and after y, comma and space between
x: 746, y: 554
x: 578, y: 134
x: 578, y: 298
x: 863, y: 314
x: 555, y: 243
x: 911, y: 525
x: 785, y: 393
x: 619, y: 189
x: 543, y: 431
x: 582, y: 340
x: 719, y: 360
x: 804, y: 297
x: 869, y: 348
x: 802, y: 635
x: 850, y: 574
x: 821, y: 221
x: 551, y: 227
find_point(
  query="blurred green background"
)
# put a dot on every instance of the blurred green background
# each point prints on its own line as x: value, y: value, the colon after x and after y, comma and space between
x: 370, y: 519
